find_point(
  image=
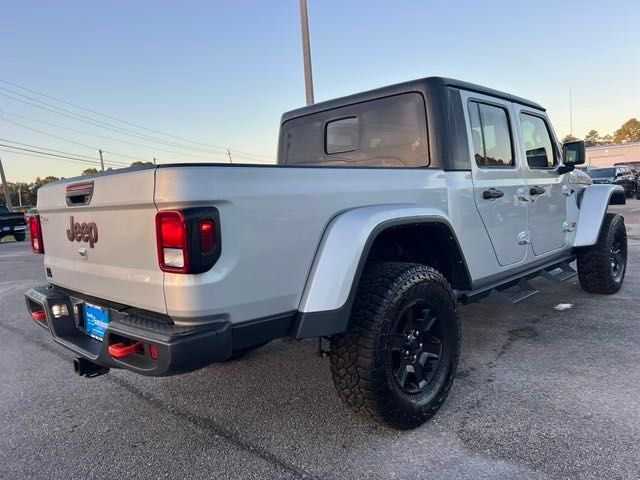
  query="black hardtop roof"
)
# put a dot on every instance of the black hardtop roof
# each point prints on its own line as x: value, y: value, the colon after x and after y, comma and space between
x: 413, y: 85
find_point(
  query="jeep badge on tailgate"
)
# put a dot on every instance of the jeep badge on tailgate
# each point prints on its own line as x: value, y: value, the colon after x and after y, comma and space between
x: 82, y: 232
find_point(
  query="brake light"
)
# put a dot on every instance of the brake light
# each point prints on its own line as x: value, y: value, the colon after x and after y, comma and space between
x: 188, y: 240
x: 173, y: 253
x: 35, y: 232
x: 207, y: 231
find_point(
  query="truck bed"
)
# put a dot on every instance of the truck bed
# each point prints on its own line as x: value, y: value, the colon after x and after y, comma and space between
x: 271, y: 219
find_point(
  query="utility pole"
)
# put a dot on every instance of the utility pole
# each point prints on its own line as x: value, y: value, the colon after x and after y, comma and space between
x: 20, y: 196
x: 306, y: 52
x: 570, y: 113
x: 5, y: 188
x: 229, y: 153
x: 101, y: 161
x: 155, y: 161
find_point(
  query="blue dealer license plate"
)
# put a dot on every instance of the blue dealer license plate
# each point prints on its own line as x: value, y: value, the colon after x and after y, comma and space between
x: 95, y: 321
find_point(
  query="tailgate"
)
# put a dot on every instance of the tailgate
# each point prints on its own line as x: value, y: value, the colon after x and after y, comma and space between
x: 99, y: 237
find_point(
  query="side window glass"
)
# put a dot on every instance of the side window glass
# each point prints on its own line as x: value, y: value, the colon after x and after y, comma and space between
x: 491, y: 136
x: 537, y: 142
x: 342, y: 136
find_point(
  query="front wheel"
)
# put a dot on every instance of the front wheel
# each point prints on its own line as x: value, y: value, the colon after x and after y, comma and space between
x: 398, y: 359
x: 601, y: 268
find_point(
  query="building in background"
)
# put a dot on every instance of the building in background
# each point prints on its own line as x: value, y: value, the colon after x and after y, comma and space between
x: 605, y: 155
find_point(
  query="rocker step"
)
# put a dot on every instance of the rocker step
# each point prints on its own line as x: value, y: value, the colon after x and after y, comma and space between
x: 566, y: 272
x: 517, y: 288
x: 503, y: 295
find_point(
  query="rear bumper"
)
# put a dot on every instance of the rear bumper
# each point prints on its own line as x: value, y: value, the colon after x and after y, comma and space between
x: 11, y: 229
x: 179, y: 349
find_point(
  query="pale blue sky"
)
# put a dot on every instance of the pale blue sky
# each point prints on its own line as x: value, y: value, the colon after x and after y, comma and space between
x: 222, y: 72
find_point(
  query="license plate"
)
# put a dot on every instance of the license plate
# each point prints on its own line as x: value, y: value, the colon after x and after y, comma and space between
x: 96, y: 320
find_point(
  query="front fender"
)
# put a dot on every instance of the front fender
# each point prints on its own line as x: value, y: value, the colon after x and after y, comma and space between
x: 593, y: 206
x: 328, y: 294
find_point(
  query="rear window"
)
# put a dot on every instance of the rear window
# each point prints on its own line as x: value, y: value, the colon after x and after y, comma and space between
x: 3, y: 209
x: 387, y: 132
x: 602, y: 172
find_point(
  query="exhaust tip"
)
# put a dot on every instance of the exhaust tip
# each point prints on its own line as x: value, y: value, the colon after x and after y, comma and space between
x: 86, y: 368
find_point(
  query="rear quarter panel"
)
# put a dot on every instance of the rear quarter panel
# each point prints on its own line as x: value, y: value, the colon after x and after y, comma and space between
x: 272, y: 221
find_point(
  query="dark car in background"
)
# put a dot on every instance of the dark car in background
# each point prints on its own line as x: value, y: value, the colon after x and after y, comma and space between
x: 12, y: 224
x: 635, y: 168
x: 621, y: 175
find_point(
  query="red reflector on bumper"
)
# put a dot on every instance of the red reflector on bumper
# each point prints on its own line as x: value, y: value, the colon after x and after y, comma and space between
x: 119, y: 350
x: 39, y: 315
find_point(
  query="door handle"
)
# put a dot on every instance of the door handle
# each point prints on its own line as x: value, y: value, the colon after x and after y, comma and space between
x: 492, y: 193
x: 537, y: 190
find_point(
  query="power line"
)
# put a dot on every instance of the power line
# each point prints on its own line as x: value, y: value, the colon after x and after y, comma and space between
x: 109, y: 126
x: 105, y: 115
x: 78, y: 155
x: 98, y: 123
x: 45, y: 157
x: 97, y: 135
x: 90, y: 147
x: 45, y: 154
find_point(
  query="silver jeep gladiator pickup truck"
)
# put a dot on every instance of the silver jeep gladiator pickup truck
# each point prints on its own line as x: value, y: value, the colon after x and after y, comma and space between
x: 386, y: 209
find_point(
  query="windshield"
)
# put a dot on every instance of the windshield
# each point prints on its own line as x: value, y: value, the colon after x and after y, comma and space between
x: 602, y: 172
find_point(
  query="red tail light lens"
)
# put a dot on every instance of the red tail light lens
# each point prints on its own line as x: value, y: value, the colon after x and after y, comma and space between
x: 207, y: 231
x: 188, y: 240
x: 35, y: 232
x: 172, y: 241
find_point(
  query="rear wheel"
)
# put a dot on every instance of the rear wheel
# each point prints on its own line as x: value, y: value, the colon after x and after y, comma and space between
x: 19, y: 237
x: 601, y: 268
x: 397, y: 361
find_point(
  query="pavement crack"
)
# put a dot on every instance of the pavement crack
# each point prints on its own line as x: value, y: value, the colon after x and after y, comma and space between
x: 200, y: 422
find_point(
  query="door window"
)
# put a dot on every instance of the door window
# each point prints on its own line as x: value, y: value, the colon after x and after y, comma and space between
x: 537, y: 142
x: 491, y: 135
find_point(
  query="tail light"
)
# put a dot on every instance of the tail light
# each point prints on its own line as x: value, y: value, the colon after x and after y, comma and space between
x: 35, y: 232
x: 188, y: 240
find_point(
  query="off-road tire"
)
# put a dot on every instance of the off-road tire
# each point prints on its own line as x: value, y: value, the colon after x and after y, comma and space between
x: 19, y: 237
x: 595, y: 264
x: 361, y: 357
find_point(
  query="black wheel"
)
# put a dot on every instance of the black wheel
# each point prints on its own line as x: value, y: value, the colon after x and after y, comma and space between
x: 397, y: 361
x: 637, y: 194
x: 601, y: 268
x: 19, y: 237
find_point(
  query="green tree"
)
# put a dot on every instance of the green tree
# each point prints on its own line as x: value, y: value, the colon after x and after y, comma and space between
x: 592, y: 138
x: 90, y: 171
x: 628, y: 132
x: 568, y: 138
x: 607, y: 139
x: 141, y: 164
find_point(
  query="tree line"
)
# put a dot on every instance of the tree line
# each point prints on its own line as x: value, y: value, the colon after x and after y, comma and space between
x: 628, y: 132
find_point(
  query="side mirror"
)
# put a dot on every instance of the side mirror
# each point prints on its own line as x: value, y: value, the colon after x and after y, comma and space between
x: 573, y: 153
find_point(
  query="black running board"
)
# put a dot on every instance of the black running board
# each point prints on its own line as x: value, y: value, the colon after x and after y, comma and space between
x: 517, y: 288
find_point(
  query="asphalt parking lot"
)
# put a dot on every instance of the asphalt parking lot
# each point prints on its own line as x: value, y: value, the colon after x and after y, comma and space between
x: 540, y: 393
